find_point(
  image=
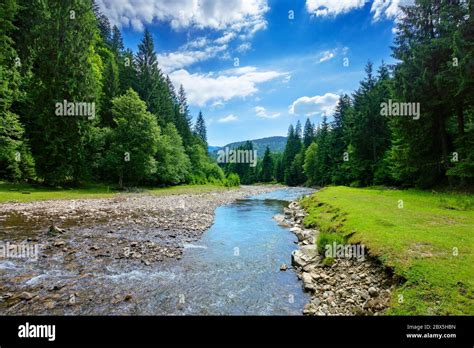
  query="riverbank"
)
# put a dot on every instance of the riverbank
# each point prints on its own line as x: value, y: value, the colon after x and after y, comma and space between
x: 343, y: 286
x: 425, y: 238
x: 11, y: 192
x: 96, y: 238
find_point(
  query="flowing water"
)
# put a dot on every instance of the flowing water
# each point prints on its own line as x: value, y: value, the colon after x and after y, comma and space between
x: 233, y: 269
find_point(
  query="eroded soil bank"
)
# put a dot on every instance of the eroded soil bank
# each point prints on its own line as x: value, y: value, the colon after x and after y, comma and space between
x: 348, y: 286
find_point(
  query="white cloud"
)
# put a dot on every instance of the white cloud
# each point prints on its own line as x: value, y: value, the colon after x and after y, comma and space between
x: 326, y: 55
x: 332, y: 7
x: 227, y: 119
x: 226, y: 38
x: 229, y: 84
x: 238, y: 15
x: 244, y: 47
x: 217, y: 104
x: 389, y: 8
x: 319, y: 104
x: 260, y: 111
x: 182, y: 58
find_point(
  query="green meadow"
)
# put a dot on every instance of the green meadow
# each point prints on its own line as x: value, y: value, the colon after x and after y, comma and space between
x: 425, y: 237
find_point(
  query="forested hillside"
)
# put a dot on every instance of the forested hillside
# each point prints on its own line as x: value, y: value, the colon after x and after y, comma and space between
x: 370, y: 140
x: 76, y: 106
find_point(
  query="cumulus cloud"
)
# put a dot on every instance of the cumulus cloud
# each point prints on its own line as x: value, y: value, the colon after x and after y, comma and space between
x: 260, y: 111
x: 237, y: 15
x: 317, y: 105
x: 227, y: 119
x: 185, y: 56
x: 332, y: 7
x: 229, y: 84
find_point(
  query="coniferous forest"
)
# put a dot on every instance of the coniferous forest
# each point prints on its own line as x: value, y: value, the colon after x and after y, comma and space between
x: 141, y: 131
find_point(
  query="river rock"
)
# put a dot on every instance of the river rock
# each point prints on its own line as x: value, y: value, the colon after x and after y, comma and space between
x: 55, y: 230
x: 373, y: 292
x: 283, y: 267
x: 307, y: 281
x: 26, y: 296
x: 310, y: 251
x: 279, y: 218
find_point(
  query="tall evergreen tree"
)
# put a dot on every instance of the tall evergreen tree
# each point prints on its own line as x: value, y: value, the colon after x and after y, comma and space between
x: 183, y: 118
x: 152, y: 86
x: 292, y: 148
x: 200, y: 128
x: 308, y: 134
x: 422, y: 149
x: 67, y: 68
x: 16, y: 162
x: 116, y: 42
x: 267, y: 166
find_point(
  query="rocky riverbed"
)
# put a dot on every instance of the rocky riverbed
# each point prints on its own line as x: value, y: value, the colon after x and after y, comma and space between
x: 348, y: 286
x: 81, y: 242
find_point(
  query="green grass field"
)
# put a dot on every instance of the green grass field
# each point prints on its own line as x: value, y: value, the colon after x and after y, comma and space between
x: 26, y: 193
x: 426, y: 237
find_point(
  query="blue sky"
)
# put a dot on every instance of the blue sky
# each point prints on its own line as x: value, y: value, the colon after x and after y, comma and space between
x: 255, y: 66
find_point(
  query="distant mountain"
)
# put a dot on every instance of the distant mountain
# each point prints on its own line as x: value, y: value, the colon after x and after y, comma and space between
x: 276, y: 144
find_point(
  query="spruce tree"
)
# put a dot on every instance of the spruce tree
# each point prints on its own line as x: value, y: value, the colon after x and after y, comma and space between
x: 308, y: 134
x: 200, y: 128
x: 66, y: 68
x: 267, y: 166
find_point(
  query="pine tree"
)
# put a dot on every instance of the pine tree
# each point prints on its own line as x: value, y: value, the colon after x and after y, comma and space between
x: 200, y: 128
x: 422, y: 149
x: 103, y: 23
x: 116, y: 42
x: 128, y: 72
x: 292, y: 148
x: 267, y: 166
x: 339, y: 141
x: 183, y: 118
x: 16, y: 162
x: 298, y: 129
x: 152, y: 86
x: 67, y: 68
x: 308, y: 134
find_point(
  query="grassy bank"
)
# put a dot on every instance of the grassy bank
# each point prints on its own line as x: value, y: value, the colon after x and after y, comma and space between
x: 427, y: 238
x: 26, y: 193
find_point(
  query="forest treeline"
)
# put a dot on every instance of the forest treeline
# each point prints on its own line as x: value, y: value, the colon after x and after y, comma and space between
x: 366, y: 144
x: 56, y: 56
x: 59, y: 59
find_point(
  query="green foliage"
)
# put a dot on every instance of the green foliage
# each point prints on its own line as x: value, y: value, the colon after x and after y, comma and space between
x: 174, y: 164
x: 267, y: 167
x: 16, y: 162
x: 328, y: 239
x: 200, y: 128
x: 232, y: 180
x: 133, y: 140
